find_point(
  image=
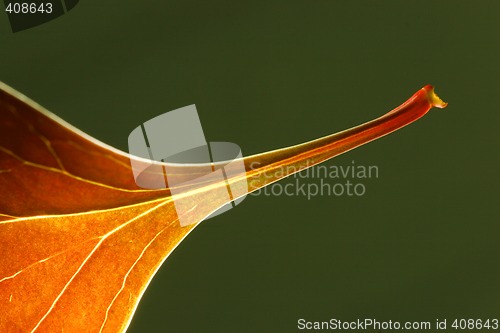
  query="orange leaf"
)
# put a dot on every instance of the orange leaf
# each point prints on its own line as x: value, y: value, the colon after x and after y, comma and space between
x: 80, y: 241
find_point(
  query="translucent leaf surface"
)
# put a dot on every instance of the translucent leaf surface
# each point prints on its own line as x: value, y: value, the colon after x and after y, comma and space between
x: 80, y: 241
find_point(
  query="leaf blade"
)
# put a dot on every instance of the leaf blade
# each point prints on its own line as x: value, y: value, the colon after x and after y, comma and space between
x: 96, y: 239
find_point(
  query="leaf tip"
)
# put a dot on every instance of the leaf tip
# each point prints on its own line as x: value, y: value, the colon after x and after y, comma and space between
x: 433, y: 98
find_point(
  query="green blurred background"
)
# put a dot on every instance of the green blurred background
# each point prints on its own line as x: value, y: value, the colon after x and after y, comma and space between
x: 421, y: 244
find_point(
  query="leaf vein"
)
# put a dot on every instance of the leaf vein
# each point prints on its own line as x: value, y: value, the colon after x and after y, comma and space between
x: 90, y: 212
x: 64, y: 172
x: 46, y: 259
x: 87, y: 259
x: 125, y: 278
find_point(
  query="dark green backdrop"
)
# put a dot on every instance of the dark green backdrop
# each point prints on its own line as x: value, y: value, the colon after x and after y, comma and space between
x: 422, y: 244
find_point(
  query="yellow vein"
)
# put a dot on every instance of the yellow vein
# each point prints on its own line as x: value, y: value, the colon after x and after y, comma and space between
x: 70, y: 249
x: 90, y: 212
x: 46, y: 142
x: 125, y: 278
x: 10, y: 216
x: 52, y: 151
x: 98, y: 153
x: 44, y: 167
x: 87, y: 259
x: 46, y: 259
x: 141, y: 293
x: 33, y: 130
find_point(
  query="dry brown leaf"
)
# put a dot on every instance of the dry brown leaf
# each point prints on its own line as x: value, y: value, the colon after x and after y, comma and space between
x: 80, y: 241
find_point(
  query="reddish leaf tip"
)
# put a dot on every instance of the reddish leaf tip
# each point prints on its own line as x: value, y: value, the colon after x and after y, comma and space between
x: 433, y: 98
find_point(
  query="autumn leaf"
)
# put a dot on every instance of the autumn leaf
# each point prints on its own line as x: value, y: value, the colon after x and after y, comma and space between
x: 80, y: 241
